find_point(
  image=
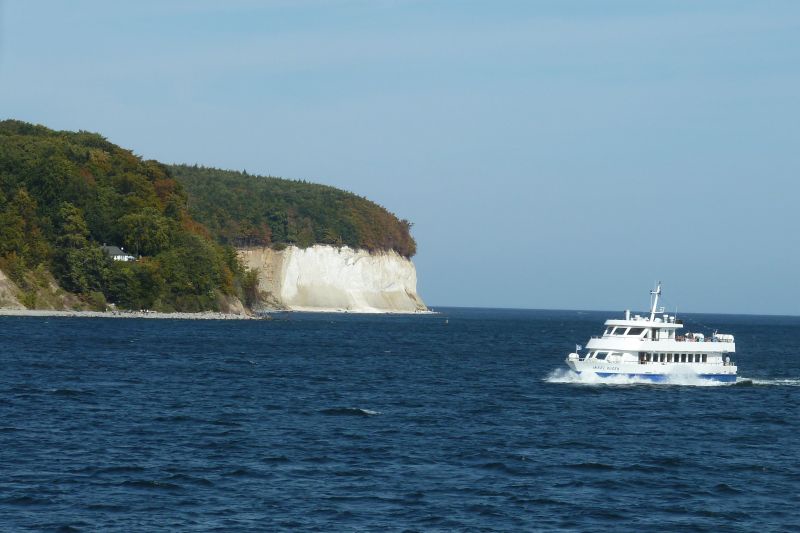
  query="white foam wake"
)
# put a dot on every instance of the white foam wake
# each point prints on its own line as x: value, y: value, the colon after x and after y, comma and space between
x: 563, y: 375
x: 772, y: 382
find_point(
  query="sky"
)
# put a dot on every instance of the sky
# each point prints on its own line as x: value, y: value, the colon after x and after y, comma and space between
x: 551, y: 154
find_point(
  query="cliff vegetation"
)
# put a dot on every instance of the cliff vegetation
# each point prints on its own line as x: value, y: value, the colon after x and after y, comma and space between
x: 245, y: 210
x: 64, y: 194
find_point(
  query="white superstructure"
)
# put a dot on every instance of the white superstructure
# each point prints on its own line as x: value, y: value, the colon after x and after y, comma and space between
x: 651, y: 347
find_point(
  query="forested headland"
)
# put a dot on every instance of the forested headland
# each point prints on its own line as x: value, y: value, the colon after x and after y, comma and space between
x: 245, y: 210
x: 63, y: 195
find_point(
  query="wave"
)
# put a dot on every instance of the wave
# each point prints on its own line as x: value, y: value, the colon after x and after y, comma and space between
x: 70, y: 392
x: 349, y: 411
x: 563, y: 375
x: 783, y: 382
x: 150, y: 484
x: 27, y: 500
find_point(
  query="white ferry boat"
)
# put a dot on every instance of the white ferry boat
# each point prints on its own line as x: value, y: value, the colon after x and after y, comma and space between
x: 649, y: 347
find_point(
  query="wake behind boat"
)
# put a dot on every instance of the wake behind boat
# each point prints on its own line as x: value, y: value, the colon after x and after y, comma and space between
x: 650, y: 348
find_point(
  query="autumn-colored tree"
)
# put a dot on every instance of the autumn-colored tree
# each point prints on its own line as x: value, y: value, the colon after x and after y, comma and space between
x: 145, y: 232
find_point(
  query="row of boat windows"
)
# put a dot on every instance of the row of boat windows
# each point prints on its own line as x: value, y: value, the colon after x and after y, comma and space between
x: 624, y: 331
x: 658, y: 357
x: 673, y: 357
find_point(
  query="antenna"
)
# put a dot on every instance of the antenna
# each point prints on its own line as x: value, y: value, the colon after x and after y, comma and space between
x: 654, y: 297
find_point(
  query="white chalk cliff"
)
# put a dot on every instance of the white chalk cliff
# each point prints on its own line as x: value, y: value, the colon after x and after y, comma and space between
x: 327, y: 278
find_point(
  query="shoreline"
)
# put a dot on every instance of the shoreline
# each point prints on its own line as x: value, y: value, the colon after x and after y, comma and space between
x: 340, y: 311
x: 204, y: 315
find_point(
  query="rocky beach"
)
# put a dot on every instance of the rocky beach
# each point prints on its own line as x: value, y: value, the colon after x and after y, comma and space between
x: 205, y: 315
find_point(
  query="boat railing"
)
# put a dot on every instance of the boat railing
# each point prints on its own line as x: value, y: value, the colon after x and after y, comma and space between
x: 684, y: 338
x: 645, y: 362
x: 681, y: 338
x: 723, y: 363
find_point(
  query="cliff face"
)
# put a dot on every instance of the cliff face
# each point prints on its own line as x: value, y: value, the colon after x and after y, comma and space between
x: 326, y: 278
x: 8, y: 292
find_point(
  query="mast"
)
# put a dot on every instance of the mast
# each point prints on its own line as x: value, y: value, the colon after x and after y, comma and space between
x: 654, y: 295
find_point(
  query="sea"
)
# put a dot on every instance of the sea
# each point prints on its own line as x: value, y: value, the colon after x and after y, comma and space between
x: 464, y: 420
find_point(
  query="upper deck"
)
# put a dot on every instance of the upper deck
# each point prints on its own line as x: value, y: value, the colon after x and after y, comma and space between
x: 650, y: 333
x: 667, y: 322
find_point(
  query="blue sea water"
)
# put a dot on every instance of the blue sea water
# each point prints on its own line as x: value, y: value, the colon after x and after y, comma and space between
x: 455, y: 421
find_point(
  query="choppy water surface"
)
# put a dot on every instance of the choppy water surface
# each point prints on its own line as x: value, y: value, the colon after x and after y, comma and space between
x: 323, y: 422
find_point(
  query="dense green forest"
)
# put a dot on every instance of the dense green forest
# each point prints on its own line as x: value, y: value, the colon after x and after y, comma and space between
x: 64, y: 194
x: 245, y: 210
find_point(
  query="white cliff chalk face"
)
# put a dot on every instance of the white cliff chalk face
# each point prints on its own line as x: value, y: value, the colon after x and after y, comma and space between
x: 327, y: 278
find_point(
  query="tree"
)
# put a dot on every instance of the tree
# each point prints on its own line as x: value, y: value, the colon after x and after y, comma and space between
x: 145, y: 232
x: 20, y: 232
x: 81, y: 266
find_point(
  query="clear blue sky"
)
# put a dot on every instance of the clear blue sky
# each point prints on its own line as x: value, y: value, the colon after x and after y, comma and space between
x: 552, y: 154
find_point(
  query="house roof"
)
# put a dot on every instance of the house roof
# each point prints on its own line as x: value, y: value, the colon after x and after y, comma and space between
x: 114, y: 250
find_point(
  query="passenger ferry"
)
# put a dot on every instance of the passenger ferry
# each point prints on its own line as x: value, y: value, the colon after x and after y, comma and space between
x: 650, y: 348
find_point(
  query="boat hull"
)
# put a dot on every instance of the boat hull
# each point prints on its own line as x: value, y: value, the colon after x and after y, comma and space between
x: 654, y: 372
x: 663, y: 378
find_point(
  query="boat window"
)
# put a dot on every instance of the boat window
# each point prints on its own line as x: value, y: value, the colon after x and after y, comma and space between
x: 601, y: 355
x: 608, y: 331
x: 704, y: 358
x: 683, y: 358
x: 636, y: 331
x: 619, y: 331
